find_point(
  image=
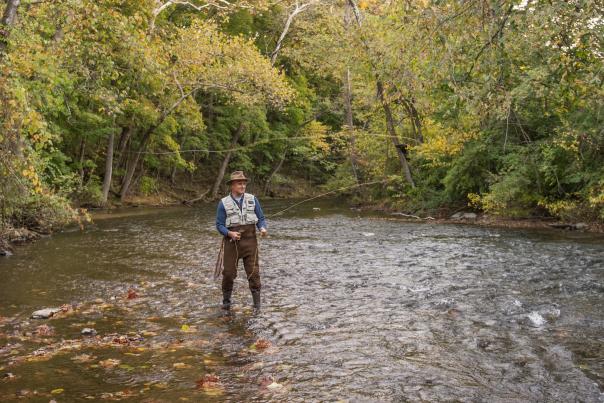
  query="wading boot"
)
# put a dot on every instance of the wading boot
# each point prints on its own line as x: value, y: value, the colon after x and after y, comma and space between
x: 226, y: 300
x: 256, y: 299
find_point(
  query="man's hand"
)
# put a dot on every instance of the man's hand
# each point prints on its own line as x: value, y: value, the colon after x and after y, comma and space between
x: 235, y: 236
x: 263, y: 232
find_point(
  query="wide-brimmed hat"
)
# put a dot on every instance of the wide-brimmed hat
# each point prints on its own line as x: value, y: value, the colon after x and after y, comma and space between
x: 237, y: 176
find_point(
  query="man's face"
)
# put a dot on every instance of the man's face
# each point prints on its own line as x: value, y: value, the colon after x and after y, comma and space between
x: 238, y: 187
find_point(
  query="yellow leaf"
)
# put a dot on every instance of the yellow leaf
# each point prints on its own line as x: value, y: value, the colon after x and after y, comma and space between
x: 57, y: 391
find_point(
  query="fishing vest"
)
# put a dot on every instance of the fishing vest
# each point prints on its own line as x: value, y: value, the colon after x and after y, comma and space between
x: 235, y: 216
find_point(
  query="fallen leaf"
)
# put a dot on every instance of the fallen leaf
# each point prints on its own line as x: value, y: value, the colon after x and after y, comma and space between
x: 208, y: 381
x: 67, y: 308
x: 45, y: 330
x: 261, y: 344
x: 213, y: 391
x: 181, y: 365
x: 109, y: 363
x: 188, y: 329
x: 57, y: 391
x: 83, y: 358
x: 132, y: 294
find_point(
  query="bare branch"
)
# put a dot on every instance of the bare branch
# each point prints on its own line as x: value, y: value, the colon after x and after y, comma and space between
x: 290, y: 18
x: 161, y: 6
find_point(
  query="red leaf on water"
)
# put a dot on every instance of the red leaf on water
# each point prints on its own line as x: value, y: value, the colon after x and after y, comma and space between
x: 121, y: 340
x: 208, y: 381
x: 262, y: 344
x: 45, y: 330
x: 132, y: 294
x: 66, y: 308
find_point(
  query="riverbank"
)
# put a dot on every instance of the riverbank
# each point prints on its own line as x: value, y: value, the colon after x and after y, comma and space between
x: 503, y: 222
x: 167, y: 195
x: 486, y: 220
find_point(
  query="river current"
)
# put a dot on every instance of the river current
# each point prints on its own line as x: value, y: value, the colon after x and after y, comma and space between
x: 356, y: 307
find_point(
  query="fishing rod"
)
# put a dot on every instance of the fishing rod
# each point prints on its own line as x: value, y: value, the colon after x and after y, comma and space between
x: 220, y: 258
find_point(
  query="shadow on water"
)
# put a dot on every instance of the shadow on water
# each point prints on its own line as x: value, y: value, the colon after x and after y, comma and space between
x: 355, y: 307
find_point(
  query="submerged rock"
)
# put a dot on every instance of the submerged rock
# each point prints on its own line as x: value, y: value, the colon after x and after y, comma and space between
x: 88, y: 331
x: 45, y: 313
x: 5, y: 249
x: 18, y: 235
x: 577, y: 226
x: 535, y: 319
x: 464, y: 216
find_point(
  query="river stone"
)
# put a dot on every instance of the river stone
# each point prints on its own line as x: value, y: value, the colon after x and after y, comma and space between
x: 535, y: 319
x: 19, y: 235
x: 581, y: 225
x: 87, y: 331
x: 44, y: 313
x: 464, y: 216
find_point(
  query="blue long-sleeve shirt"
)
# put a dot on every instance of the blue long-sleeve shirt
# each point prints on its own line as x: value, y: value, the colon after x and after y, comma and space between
x: 221, y: 215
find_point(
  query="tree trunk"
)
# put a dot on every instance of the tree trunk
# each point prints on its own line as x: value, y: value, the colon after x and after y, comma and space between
x: 174, y: 168
x: 277, y: 168
x: 144, y: 141
x: 225, y: 162
x: 350, y: 123
x: 108, y: 169
x: 124, y: 138
x: 416, y: 122
x: 132, y: 164
x: 385, y: 104
x: 81, y: 160
x: 8, y: 20
x: 392, y: 133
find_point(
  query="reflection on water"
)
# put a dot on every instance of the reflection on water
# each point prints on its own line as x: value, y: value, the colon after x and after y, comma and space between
x: 354, y: 308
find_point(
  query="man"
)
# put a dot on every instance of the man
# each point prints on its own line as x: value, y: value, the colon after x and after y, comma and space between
x: 237, y: 217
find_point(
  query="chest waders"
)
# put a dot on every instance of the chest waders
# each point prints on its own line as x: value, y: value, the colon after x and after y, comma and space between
x: 243, y: 221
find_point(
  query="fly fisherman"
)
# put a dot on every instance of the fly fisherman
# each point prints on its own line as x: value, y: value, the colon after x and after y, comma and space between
x: 237, y: 217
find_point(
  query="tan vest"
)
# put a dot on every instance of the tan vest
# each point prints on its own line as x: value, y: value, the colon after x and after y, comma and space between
x: 245, y: 216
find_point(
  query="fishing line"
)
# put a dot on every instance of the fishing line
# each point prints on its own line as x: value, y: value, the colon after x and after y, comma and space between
x: 330, y: 192
x: 220, y: 259
x: 254, y: 144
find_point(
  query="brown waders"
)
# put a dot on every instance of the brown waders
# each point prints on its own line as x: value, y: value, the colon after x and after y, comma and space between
x: 245, y: 248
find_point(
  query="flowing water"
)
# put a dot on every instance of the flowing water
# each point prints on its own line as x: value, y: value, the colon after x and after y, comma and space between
x: 355, y: 307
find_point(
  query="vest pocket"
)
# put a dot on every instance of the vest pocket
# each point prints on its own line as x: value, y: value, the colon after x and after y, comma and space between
x: 251, y: 218
x: 234, y: 219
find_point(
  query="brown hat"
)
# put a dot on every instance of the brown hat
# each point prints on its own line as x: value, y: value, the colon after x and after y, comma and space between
x: 237, y: 176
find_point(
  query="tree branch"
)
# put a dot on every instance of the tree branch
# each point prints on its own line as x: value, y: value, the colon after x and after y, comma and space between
x: 161, y: 6
x: 297, y: 10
